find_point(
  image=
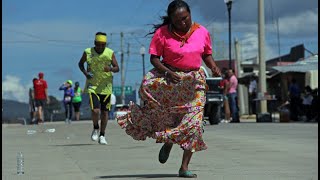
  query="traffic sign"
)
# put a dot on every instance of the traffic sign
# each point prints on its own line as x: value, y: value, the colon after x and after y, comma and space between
x: 117, y: 90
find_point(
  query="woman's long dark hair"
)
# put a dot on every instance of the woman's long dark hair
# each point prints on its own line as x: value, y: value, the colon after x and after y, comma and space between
x: 173, y: 6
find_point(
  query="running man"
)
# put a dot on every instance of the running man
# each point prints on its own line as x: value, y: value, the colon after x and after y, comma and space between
x: 101, y: 64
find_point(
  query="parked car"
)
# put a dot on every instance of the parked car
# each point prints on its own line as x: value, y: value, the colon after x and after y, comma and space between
x: 214, y: 100
x: 121, y: 109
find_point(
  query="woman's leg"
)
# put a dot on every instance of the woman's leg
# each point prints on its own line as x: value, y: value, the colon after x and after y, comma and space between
x: 66, y: 110
x: 70, y: 111
x: 77, y: 116
x: 76, y: 108
x: 226, y: 110
x: 187, y: 154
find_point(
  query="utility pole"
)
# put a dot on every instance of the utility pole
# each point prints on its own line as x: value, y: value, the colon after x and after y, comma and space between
x: 262, y: 64
x: 122, y: 70
x: 240, y: 86
x: 229, y: 5
x: 278, y: 36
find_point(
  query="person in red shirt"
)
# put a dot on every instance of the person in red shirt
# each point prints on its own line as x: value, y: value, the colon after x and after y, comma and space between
x: 40, y: 95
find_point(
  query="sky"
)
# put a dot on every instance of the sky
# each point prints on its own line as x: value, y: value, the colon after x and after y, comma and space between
x: 50, y: 36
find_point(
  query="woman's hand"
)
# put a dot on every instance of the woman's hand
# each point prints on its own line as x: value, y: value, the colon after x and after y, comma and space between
x: 215, y: 71
x: 173, y: 77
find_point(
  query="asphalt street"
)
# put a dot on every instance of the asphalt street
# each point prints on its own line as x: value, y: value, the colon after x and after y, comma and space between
x: 244, y: 151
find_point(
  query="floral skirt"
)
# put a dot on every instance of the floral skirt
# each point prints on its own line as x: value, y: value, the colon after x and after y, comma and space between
x: 170, y: 113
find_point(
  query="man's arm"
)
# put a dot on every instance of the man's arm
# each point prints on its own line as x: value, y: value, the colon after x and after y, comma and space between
x: 81, y: 65
x: 32, y: 94
x: 115, y: 67
x: 48, y: 99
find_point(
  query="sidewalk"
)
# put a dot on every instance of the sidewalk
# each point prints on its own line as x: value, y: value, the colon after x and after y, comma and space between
x: 244, y: 151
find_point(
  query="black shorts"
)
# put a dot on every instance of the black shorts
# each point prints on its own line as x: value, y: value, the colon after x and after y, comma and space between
x: 76, y: 106
x: 102, y: 101
x: 40, y: 102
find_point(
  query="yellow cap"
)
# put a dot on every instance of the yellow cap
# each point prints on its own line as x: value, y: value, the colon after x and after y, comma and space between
x: 70, y: 82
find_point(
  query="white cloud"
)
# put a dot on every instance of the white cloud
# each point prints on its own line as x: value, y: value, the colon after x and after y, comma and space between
x: 302, y: 24
x: 246, y: 33
x: 12, y: 89
x: 249, y: 47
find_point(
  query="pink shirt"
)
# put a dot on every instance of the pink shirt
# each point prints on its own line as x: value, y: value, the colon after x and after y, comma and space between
x: 233, y: 84
x: 187, y: 57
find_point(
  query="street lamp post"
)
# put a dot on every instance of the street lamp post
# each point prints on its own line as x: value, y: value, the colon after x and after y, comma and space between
x: 229, y: 4
x: 142, y: 52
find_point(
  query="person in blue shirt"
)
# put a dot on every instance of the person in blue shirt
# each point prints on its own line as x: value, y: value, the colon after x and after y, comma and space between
x: 67, y: 99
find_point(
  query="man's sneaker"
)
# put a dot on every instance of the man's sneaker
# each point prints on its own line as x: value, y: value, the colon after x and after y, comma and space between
x: 94, y: 135
x: 102, y: 140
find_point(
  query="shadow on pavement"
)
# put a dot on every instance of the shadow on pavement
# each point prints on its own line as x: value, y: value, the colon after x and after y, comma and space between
x: 138, y: 176
x: 72, y: 144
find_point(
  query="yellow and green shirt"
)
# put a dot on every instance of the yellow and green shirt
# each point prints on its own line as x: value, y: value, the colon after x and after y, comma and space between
x: 101, y: 82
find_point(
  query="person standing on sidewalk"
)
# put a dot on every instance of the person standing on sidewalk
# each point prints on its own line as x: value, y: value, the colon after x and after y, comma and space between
x: 67, y: 99
x: 224, y: 85
x: 253, y: 89
x: 113, y: 106
x: 173, y: 92
x: 76, y: 100
x: 294, y: 99
x: 32, y: 105
x: 101, y: 64
x: 40, y: 96
x: 233, y: 97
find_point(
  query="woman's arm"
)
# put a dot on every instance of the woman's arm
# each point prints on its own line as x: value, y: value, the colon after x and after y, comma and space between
x: 155, y: 61
x: 62, y: 87
x: 208, y: 60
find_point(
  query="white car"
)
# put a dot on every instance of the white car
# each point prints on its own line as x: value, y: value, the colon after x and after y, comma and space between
x: 121, y: 109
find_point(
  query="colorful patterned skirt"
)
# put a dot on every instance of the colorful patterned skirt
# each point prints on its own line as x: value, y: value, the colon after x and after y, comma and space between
x: 170, y: 112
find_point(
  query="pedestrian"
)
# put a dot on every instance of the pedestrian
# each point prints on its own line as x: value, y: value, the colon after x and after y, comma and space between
x: 68, y: 94
x: 113, y: 106
x: 173, y: 92
x: 253, y: 89
x: 307, y: 103
x: 41, y: 96
x: 101, y: 64
x: 315, y: 105
x: 76, y: 100
x: 32, y: 105
x: 224, y: 85
x: 294, y: 99
x: 233, y: 97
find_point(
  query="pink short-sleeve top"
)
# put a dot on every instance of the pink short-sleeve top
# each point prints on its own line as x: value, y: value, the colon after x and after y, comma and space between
x: 233, y: 84
x: 187, y: 57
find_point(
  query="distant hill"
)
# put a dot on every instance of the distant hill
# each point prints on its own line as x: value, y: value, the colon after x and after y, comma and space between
x: 12, y: 110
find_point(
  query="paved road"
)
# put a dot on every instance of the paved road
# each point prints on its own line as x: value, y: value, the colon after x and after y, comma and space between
x: 245, y: 151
